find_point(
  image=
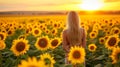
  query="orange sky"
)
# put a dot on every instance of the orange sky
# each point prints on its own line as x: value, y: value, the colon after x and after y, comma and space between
x: 51, y: 5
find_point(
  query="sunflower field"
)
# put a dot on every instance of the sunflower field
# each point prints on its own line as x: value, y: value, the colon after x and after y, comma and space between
x: 36, y: 41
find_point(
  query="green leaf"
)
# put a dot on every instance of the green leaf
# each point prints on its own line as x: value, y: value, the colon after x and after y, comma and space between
x: 98, y: 65
x: 109, y: 64
x: 101, y: 57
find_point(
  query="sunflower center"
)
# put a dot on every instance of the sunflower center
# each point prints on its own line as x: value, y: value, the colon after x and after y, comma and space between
x: 92, y: 47
x: 76, y: 54
x: 47, y: 31
x: 112, y: 41
x: 42, y: 42
x: 53, y: 31
x: 9, y: 32
x: 93, y: 34
x: 102, y: 40
x: 27, y: 31
x: 20, y: 46
x: 116, y: 31
x: 47, y: 61
x: 106, y: 37
x: 110, y: 24
x: 30, y: 29
x: 54, y: 42
x: 1, y: 37
x: 36, y: 31
x: 55, y: 25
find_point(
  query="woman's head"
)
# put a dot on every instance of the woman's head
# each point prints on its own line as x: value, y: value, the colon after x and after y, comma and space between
x: 73, y: 20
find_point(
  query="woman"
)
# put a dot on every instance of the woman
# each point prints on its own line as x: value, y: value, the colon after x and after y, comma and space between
x: 73, y: 35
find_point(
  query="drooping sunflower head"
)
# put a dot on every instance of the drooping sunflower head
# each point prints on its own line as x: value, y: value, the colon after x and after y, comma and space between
x: 76, y: 55
x: 55, y: 43
x: 36, y: 32
x: 20, y: 46
x: 32, y: 62
x: 115, y: 55
x: 2, y: 45
x: 92, y: 47
x: 112, y: 41
x: 48, y: 59
x: 42, y: 43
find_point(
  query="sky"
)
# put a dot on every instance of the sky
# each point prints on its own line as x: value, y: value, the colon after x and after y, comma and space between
x: 52, y: 5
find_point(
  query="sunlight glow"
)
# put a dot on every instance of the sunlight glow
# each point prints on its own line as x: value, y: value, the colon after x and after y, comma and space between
x: 91, y: 4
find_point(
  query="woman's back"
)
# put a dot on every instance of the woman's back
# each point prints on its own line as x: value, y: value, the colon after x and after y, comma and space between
x: 75, y: 41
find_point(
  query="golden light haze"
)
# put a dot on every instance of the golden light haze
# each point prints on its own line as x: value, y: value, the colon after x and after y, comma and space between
x: 91, y: 4
x: 58, y: 5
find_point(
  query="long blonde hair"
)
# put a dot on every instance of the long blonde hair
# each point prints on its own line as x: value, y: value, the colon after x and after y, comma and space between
x: 73, y: 27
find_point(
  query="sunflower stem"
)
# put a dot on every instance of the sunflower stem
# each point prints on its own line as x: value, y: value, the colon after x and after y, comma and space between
x: 17, y: 61
x: 0, y: 59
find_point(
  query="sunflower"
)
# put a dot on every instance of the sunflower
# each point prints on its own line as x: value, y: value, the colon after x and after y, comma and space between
x: 20, y: 46
x: 54, y: 43
x: 55, y: 25
x: 107, y: 33
x: 115, y: 55
x: 93, y: 35
x: 28, y: 29
x: 22, y: 36
x: 54, y: 31
x: 106, y: 37
x: 42, y: 43
x: 106, y: 29
x: 2, y: 45
x: 115, y: 30
x: 59, y: 24
x: 48, y: 59
x: 47, y: 31
x: 76, y: 55
x: 102, y: 40
x: 112, y: 41
x: 36, y: 32
x: 11, y: 31
x: 3, y: 36
x: 110, y: 24
x: 92, y: 47
x: 32, y: 62
x: 21, y: 26
x: 41, y: 26
x: 44, y: 29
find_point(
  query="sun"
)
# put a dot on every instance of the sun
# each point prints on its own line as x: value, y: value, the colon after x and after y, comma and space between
x: 91, y: 4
